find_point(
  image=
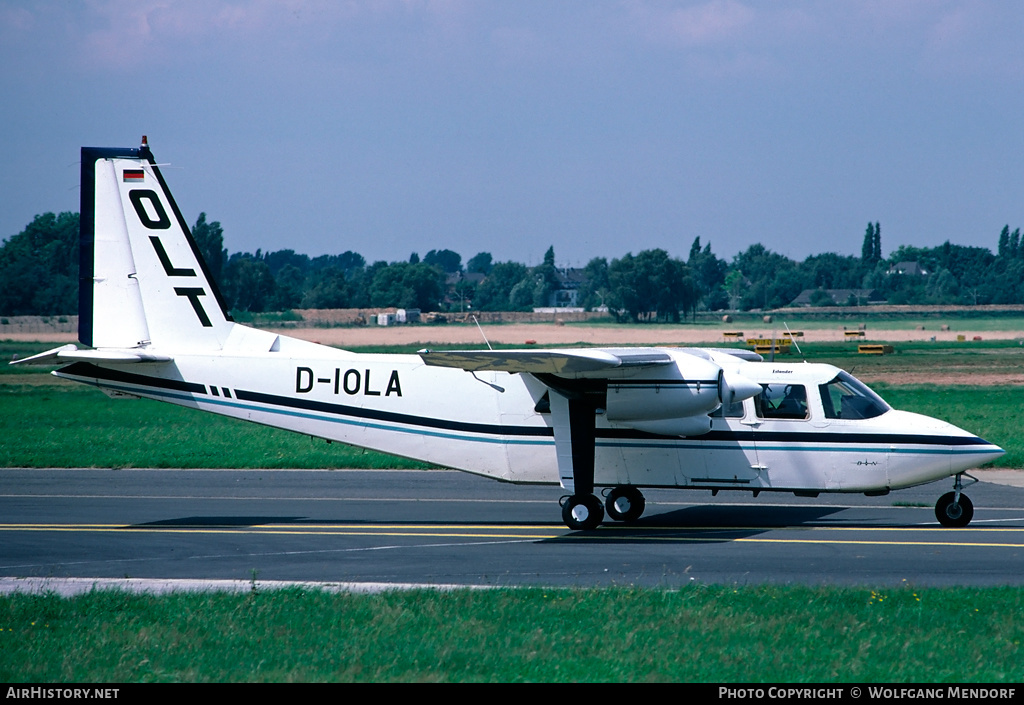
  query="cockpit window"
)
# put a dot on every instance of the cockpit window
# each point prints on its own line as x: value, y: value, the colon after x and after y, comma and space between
x: 782, y: 401
x: 846, y: 397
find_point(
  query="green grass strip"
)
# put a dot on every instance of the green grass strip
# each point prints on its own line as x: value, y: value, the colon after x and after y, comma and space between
x: 700, y: 633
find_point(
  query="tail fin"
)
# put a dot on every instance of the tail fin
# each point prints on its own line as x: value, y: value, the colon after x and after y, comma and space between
x: 142, y: 281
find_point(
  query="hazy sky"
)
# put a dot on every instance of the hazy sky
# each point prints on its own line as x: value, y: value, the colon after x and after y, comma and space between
x: 601, y: 128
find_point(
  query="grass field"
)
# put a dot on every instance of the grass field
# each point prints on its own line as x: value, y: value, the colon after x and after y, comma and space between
x: 697, y: 634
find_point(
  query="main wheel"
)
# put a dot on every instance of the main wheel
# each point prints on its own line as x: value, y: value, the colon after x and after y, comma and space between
x: 954, y: 515
x: 624, y: 503
x: 582, y: 513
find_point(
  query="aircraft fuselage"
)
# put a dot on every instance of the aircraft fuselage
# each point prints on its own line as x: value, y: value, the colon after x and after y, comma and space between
x: 396, y: 404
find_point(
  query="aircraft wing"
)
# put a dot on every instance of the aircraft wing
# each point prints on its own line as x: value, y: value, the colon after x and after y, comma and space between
x: 70, y: 353
x: 568, y: 361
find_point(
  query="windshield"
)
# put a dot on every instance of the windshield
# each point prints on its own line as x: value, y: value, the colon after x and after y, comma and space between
x: 846, y: 397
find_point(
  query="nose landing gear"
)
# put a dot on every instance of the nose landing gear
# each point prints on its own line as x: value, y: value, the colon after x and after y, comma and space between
x: 954, y: 509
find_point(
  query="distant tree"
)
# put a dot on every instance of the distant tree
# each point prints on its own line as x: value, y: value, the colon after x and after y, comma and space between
x: 694, y: 251
x: 407, y: 285
x: 651, y: 282
x: 464, y: 293
x: 480, y: 262
x: 871, y: 250
x: 495, y: 291
x: 248, y: 283
x: 549, y: 256
x: 424, y: 286
x: 209, y: 238
x: 348, y: 261
x: 832, y: 271
x: 709, y: 273
x: 39, y: 267
x: 594, y: 290
x: 942, y: 288
x: 414, y: 258
x: 446, y: 260
x: 771, y: 279
x: 328, y: 290
x: 521, y: 296
x: 289, y: 284
x: 546, y: 283
x: 735, y: 283
x: 280, y: 259
x: 1004, y: 242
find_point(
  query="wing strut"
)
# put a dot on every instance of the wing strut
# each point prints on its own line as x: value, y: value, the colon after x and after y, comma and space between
x: 575, y: 437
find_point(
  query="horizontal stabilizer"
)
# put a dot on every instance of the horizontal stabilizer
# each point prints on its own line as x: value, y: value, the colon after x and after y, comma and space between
x: 569, y: 361
x: 70, y: 353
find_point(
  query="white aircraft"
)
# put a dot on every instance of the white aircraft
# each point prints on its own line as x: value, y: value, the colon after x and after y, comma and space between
x: 620, y: 419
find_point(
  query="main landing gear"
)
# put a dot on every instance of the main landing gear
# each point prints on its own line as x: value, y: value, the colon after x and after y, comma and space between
x: 584, y: 512
x: 624, y: 503
x: 574, y: 413
x: 954, y: 509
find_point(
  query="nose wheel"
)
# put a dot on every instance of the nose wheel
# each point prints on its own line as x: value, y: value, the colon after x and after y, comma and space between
x: 953, y: 513
x: 954, y: 509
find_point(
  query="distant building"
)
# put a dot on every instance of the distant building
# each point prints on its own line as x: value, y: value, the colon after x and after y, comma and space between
x: 908, y: 269
x: 453, y: 278
x: 570, y: 281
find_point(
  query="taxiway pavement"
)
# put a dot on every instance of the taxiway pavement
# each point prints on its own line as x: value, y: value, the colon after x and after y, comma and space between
x: 359, y: 528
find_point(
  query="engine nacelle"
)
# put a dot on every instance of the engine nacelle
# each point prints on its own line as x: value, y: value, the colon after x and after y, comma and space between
x: 676, y: 401
x: 665, y: 399
x: 691, y: 387
x: 686, y: 426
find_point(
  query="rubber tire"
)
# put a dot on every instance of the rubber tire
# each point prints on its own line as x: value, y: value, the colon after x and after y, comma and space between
x: 591, y: 508
x: 633, y: 496
x: 954, y: 516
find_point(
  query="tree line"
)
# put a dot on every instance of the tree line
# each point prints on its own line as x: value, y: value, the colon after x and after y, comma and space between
x: 39, y: 276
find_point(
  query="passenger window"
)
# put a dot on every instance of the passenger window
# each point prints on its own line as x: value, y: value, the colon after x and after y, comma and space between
x: 782, y: 401
x: 846, y: 397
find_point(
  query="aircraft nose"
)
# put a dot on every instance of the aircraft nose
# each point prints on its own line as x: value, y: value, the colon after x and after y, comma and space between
x: 974, y: 451
x: 993, y: 449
